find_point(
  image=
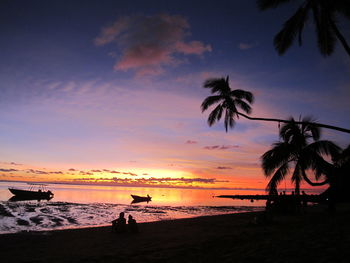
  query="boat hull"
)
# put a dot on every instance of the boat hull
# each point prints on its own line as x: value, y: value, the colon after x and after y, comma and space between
x: 30, y: 195
x: 138, y: 199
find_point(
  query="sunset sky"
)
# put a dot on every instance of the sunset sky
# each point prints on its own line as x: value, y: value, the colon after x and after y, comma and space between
x: 111, y: 90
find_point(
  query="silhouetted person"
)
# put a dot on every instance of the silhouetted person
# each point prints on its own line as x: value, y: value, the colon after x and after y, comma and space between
x: 119, y: 224
x: 132, y: 225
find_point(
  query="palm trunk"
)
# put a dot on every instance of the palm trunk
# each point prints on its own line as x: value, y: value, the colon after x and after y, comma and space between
x: 297, y: 122
x: 340, y: 37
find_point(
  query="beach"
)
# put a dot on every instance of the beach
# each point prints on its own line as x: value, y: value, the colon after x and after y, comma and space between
x: 312, y: 236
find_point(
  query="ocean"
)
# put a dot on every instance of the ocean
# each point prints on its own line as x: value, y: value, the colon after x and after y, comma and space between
x: 77, y: 206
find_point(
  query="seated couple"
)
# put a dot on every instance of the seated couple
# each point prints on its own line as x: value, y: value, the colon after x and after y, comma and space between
x: 119, y: 224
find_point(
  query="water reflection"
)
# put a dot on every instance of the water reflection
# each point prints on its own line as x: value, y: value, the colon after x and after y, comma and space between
x: 122, y: 195
x: 81, y: 206
x: 17, y: 199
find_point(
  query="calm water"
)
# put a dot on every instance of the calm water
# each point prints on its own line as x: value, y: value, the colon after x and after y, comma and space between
x: 75, y: 206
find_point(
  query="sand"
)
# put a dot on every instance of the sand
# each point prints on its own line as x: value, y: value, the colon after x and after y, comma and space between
x: 313, y: 236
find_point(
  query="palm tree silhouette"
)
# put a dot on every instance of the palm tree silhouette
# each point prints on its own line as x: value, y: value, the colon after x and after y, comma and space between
x: 228, y: 101
x: 324, y: 13
x: 294, y: 151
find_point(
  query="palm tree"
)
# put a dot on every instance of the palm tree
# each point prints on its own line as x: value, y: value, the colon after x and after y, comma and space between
x: 324, y: 13
x: 228, y: 101
x: 295, y: 151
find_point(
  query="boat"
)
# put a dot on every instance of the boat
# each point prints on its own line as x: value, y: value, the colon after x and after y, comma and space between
x: 35, y: 192
x: 138, y: 199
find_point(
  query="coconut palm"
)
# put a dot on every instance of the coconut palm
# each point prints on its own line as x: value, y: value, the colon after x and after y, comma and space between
x: 228, y: 101
x: 299, y: 150
x: 325, y: 15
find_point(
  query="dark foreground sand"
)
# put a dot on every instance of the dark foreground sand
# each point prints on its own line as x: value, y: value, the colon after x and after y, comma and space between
x: 313, y: 236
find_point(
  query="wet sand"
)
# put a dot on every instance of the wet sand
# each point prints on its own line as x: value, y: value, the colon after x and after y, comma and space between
x: 313, y: 236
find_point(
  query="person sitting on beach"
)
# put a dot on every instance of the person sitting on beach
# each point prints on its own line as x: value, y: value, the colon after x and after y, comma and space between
x: 119, y: 224
x: 132, y: 225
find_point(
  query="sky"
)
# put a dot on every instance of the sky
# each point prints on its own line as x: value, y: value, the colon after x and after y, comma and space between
x: 110, y: 91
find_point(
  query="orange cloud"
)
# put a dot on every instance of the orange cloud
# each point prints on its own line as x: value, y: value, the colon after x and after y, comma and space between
x: 148, y: 43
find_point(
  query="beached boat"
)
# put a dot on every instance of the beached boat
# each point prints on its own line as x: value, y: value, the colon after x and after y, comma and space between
x: 35, y: 192
x: 138, y: 198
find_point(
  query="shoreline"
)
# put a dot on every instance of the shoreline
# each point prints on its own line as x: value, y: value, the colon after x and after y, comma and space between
x: 29, y: 232
x: 314, y: 236
x: 28, y: 217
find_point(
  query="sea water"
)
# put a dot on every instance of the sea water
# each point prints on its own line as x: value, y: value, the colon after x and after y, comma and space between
x: 77, y: 206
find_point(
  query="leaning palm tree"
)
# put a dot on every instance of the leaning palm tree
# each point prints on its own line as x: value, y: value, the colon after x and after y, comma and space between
x: 325, y: 14
x: 299, y: 150
x: 228, y: 101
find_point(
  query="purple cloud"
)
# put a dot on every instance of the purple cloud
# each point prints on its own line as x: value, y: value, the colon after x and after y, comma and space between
x: 43, y: 172
x: 8, y: 170
x: 153, y: 180
x: 222, y: 147
x: 191, y: 142
x: 223, y: 168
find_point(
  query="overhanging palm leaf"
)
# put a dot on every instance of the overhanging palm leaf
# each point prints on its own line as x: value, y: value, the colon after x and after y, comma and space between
x: 324, y: 13
x: 278, y: 177
x: 276, y: 157
x: 292, y: 27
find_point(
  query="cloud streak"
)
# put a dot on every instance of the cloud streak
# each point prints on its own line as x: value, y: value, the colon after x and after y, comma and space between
x: 245, y: 46
x: 149, y: 43
x: 191, y: 142
x: 222, y: 147
x: 168, y: 181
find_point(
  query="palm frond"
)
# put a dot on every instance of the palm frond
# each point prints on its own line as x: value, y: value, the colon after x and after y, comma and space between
x: 289, y: 130
x: 229, y: 119
x: 276, y: 157
x: 308, y: 126
x: 209, y: 101
x: 314, y: 161
x: 243, y: 105
x: 278, y: 176
x: 229, y: 103
x: 293, y: 26
x: 243, y: 94
x: 306, y: 179
x: 217, y: 85
x: 324, y: 147
x: 325, y: 35
x: 215, y: 115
